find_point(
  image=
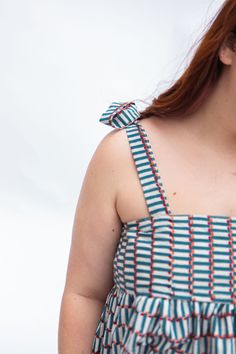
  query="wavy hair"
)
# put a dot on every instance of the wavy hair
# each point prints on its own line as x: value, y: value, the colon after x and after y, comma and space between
x: 205, y: 68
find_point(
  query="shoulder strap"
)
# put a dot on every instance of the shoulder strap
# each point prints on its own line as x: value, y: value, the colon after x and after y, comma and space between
x: 147, y: 170
x: 125, y: 115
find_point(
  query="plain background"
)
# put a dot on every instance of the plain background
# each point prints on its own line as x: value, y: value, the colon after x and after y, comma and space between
x: 61, y: 64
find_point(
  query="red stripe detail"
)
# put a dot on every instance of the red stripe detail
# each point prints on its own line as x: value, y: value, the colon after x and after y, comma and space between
x: 231, y: 259
x: 135, y: 258
x: 152, y: 256
x: 124, y: 272
x: 171, y: 256
x: 211, y: 266
x: 152, y: 165
x: 191, y: 255
x: 119, y: 110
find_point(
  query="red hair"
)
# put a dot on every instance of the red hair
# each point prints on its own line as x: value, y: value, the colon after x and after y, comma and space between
x: 195, y: 84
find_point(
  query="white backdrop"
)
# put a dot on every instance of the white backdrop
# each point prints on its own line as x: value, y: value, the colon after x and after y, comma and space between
x: 61, y: 64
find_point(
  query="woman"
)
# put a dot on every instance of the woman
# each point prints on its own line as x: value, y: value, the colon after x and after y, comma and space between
x: 152, y: 265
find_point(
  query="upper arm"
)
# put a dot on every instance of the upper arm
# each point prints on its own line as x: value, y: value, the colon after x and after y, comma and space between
x: 97, y: 226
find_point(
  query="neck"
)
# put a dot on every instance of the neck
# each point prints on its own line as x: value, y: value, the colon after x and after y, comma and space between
x: 215, y: 121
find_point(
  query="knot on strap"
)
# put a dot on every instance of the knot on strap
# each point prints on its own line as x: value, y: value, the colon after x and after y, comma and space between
x: 120, y: 114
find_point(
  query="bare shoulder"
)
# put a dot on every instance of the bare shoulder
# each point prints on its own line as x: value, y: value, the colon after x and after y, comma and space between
x: 110, y: 157
x: 163, y: 125
x: 112, y: 143
x: 166, y: 130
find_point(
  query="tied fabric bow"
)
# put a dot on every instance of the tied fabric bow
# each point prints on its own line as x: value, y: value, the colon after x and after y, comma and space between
x: 120, y: 114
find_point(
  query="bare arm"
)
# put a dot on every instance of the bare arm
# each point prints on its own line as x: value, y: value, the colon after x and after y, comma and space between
x: 95, y: 235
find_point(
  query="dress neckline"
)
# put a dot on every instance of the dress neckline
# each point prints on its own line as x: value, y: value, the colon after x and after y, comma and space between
x: 164, y: 194
x: 172, y: 217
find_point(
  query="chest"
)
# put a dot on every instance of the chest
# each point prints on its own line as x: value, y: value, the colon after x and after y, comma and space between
x: 193, y: 183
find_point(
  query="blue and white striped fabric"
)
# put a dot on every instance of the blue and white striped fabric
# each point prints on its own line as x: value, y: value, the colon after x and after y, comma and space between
x: 120, y: 114
x: 174, y: 275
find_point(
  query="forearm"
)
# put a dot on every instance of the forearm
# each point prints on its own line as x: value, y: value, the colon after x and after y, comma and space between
x: 79, y: 317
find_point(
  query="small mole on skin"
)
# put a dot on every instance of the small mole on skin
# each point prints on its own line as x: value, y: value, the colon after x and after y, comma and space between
x: 234, y: 173
x: 113, y: 230
x: 174, y: 193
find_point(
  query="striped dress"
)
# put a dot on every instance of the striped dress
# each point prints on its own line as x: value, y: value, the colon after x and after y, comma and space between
x: 174, y: 275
